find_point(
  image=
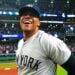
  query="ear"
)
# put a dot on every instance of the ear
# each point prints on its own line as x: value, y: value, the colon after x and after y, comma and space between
x: 38, y: 22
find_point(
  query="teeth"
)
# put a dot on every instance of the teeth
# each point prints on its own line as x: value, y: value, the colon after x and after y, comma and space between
x: 27, y: 22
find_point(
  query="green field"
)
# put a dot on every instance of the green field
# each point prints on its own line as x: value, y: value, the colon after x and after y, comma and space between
x: 2, y: 65
x: 60, y: 70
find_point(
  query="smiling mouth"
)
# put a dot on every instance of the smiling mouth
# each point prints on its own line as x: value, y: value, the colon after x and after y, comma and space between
x: 28, y: 22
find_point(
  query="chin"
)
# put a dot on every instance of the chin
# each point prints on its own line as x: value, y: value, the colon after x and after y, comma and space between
x: 27, y: 30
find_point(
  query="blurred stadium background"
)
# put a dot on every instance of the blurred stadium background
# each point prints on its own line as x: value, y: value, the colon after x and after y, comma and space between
x: 57, y: 18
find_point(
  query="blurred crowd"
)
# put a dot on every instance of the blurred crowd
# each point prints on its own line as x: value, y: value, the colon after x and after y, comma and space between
x: 12, y: 28
x: 9, y: 28
x: 8, y: 48
x: 11, y: 48
x: 72, y: 47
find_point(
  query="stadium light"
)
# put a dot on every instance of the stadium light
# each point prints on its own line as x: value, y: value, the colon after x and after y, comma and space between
x: 53, y: 15
x: 69, y: 15
x: 49, y: 15
x: 16, y: 13
x: 10, y: 13
x: 52, y: 2
x: 68, y: 2
x: 63, y: 14
x: 36, y: 1
x: 43, y: 14
x: 71, y: 28
x: 56, y: 35
x: 4, y: 12
x: 0, y: 12
x: 45, y: 21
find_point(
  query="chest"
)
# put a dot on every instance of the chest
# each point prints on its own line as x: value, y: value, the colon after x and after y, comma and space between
x: 31, y: 55
x: 31, y: 49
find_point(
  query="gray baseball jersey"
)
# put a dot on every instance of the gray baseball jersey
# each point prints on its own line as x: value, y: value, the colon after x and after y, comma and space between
x: 40, y: 54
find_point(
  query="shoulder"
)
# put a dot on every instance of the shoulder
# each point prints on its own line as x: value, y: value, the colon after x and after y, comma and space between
x: 45, y: 38
x: 20, y: 42
x: 50, y: 42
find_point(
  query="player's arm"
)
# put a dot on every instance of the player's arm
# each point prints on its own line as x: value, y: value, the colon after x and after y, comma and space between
x: 58, y: 51
x: 69, y: 65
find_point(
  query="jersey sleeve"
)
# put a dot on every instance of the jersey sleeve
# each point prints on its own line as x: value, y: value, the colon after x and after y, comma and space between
x: 55, y: 49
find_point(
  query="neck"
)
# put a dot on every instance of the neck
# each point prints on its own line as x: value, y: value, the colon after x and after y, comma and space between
x: 28, y: 34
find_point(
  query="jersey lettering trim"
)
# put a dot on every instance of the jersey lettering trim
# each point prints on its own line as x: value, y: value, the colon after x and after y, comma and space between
x: 25, y: 61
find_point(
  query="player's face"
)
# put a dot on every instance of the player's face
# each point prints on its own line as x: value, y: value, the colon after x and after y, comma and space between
x: 28, y: 22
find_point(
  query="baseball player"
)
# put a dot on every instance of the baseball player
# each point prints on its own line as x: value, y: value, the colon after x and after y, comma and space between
x: 38, y: 52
